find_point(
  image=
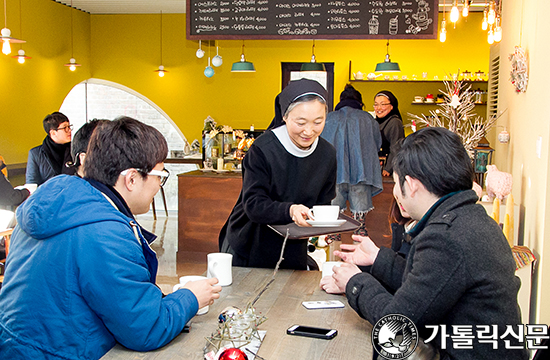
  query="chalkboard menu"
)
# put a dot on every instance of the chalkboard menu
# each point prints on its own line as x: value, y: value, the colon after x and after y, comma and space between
x: 311, y: 19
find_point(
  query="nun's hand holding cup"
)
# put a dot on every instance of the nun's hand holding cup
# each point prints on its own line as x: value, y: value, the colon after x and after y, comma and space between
x: 362, y: 254
x: 299, y: 214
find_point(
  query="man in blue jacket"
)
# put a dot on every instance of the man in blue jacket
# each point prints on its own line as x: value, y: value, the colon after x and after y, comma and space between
x: 80, y: 274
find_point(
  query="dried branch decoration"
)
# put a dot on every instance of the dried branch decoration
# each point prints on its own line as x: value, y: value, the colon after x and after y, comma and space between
x: 457, y: 114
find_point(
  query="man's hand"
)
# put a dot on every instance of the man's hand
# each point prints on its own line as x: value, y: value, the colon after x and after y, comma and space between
x: 342, y: 274
x: 299, y: 214
x: 329, y: 285
x: 363, y: 254
x: 204, y: 291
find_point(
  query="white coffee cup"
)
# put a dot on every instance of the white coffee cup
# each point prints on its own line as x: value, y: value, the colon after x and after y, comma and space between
x: 219, y: 266
x: 323, y: 213
x: 328, y: 267
x: 183, y: 281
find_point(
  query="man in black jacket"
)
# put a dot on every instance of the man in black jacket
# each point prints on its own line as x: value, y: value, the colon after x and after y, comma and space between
x: 49, y: 159
x: 459, y: 271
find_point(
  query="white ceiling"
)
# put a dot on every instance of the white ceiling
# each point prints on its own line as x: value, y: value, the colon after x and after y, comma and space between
x: 127, y: 6
x: 178, y: 6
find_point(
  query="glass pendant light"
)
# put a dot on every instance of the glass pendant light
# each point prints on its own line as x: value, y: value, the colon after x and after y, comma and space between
x: 161, y: 71
x: 72, y: 64
x: 5, y: 35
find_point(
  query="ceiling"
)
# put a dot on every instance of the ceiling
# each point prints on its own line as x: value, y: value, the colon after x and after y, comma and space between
x: 178, y: 6
x: 127, y: 6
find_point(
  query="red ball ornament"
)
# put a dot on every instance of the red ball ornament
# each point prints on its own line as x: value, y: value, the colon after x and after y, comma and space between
x: 233, y: 354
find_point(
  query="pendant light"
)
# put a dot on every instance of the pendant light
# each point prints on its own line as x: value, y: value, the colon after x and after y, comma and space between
x: 72, y: 64
x: 454, y: 12
x: 443, y: 31
x: 21, y: 57
x: 387, y: 65
x: 243, y: 65
x: 217, y: 60
x: 200, y: 51
x: 466, y: 8
x: 161, y: 70
x: 6, y: 35
x: 313, y: 65
x: 209, y: 70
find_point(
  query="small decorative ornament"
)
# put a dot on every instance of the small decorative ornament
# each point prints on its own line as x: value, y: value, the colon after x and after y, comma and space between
x: 504, y: 137
x: 233, y: 354
x: 518, y: 74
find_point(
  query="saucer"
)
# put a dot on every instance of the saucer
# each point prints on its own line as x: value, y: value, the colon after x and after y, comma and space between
x: 206, y: 170
x: 221, y: 171
x: 326, y: 223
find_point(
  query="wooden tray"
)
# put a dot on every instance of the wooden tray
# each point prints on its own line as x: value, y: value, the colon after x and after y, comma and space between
x: 299, y: 232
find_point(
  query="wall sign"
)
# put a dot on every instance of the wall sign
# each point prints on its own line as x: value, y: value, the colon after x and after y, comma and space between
x: 312, y: 19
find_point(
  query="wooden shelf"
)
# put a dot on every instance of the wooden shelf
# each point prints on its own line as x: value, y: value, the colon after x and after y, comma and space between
x: 439, y: 103
x: 418, y: 81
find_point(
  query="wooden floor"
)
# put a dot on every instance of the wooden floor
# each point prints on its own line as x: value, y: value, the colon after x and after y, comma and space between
x: 166, y: 245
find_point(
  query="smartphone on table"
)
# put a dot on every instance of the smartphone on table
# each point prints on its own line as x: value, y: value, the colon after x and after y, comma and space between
x: 310, y: 331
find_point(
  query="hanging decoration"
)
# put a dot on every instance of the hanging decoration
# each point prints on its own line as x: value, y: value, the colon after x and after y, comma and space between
x: 217, y: 60
x: 518, y: 74
x: 200, y: 51
x: 457, y: 114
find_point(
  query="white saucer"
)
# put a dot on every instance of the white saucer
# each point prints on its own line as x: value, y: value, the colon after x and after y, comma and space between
x: 206, y: 170
x: 326, y: 223
x: 221, y: 171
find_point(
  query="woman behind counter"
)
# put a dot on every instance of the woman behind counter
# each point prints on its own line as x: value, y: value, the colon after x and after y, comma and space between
x: 391, y: 126
x: 286, y: 171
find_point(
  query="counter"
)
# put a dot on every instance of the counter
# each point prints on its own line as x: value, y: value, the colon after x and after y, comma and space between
x: 205, y: 200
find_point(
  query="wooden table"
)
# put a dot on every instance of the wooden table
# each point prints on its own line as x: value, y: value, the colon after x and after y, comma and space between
x: 205, y: 200
x: 282, y: 304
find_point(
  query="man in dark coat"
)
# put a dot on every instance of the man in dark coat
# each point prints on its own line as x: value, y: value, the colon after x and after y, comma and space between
x: 49, y: 159
x: 459, y: 271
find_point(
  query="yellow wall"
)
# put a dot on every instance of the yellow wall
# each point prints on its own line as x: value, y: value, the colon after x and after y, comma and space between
x: 526, y: 119
x: 32, y: 90
x: 126, y: 50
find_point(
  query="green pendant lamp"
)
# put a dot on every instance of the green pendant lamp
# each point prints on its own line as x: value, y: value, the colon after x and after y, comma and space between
x: 313, y: 65
x: 387, y: 65
x: 243, y: 65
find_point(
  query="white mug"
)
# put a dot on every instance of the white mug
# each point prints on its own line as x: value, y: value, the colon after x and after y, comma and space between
x: 183, y: 281
x: 328, y: 267
x: 219, y: 266
x: 324, y: 213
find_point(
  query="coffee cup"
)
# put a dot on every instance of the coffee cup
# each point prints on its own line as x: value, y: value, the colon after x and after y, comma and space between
x: 418, y: 99
x: 183, y: 281
x: 219, y: 266
x: 328, y: 267
x: 323, y: 213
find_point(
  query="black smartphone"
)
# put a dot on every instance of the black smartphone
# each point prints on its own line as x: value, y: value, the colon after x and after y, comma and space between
x: 311, y: 331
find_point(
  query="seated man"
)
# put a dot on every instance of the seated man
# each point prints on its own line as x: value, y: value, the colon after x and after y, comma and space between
x: 459, y: 270
x: 80, y: 274
x: 80, y: 144
x: 48, y: 160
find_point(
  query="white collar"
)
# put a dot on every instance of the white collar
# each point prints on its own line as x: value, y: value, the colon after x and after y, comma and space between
x: 281, y: 133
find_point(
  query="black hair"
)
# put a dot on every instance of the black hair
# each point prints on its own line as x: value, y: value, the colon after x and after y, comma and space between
x: 351, y: 93
x: 436, y: 157
x: 81, y: 138
x: 53, y: 120
x: 122, y: 144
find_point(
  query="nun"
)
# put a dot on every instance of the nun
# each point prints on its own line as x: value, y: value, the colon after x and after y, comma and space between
x: 286, y: 171
x: 391, y: 127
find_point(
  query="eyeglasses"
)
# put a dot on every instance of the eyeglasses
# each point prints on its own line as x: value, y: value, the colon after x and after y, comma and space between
x: 163, y: 174
x: 380, y: 105
x: 66, y: 128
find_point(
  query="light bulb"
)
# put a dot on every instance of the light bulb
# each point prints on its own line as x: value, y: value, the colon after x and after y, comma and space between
x: 454, y: 13
x: 491, y: 15
x: 443, y: 35
x: 490, y: 37
x: 21, y: 59
x: 6, y: 48
x: 498, y: 34
x: 443, y: 32
x: 161, y: 73
x: 72, y: 67
x: 484, y: 24
x: 465, y: 9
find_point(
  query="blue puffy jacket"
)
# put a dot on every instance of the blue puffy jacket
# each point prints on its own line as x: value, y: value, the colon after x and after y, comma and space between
x: 78, y: 279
